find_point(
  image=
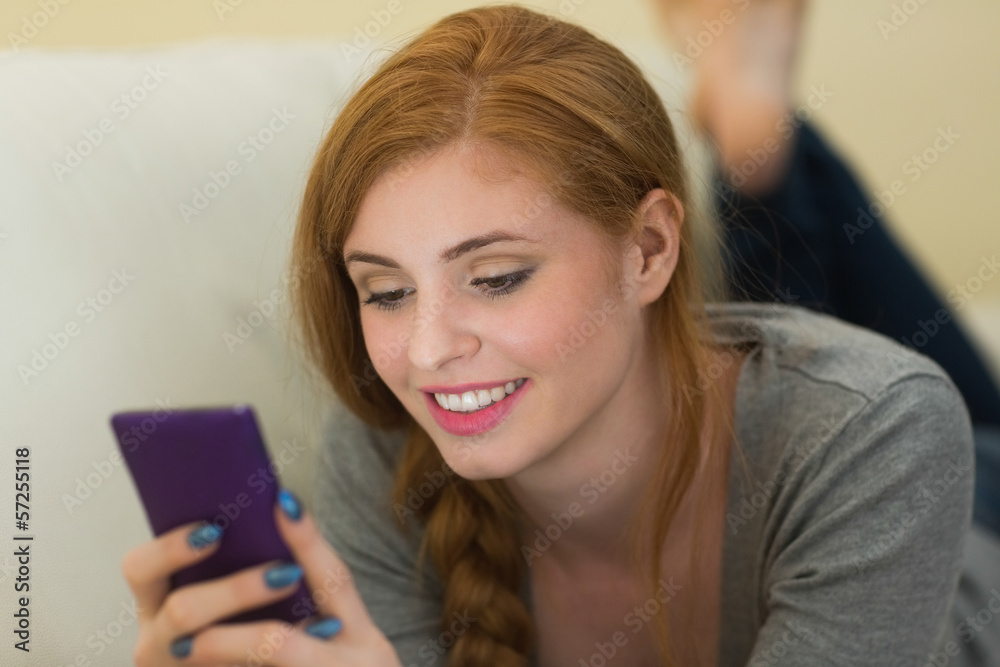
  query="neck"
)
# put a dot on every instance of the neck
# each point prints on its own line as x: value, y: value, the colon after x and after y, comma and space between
x: 580, y: 501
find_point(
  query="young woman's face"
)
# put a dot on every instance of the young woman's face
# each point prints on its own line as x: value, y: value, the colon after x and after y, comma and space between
x: 452, y: 304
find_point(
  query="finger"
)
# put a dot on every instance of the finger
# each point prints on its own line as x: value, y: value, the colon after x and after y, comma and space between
x: 329, y: 579
x: 147, y: 567
x: 273, y: 643
x: 192, y: 607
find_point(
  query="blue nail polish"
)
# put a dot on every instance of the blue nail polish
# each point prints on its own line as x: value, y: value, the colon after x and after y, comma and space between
x: 325, y: 628
x: 290, y: 505
x: 201, y: 537
x: 181, y: 648
x: 280, y: 576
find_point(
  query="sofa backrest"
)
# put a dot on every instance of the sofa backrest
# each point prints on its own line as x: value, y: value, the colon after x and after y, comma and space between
x: 149, y: 197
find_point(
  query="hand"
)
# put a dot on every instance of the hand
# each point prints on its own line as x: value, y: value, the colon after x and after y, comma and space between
x: 180, y: 622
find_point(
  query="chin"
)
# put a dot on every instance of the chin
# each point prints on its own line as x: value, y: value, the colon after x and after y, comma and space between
x: 479, y: 459
x: 494, y: 454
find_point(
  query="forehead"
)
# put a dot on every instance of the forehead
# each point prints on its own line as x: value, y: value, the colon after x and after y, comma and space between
x: 453, y: 194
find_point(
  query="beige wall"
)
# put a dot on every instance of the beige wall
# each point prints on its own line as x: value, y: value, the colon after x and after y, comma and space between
x: 892, y: 92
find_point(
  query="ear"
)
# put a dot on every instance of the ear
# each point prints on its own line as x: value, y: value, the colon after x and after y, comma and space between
x: 653, y: 252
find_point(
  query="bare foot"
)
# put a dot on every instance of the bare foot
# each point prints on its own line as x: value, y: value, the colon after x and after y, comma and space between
x: 743, y: 52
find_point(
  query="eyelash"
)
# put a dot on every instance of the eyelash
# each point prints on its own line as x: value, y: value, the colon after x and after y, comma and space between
x: 516, y: 279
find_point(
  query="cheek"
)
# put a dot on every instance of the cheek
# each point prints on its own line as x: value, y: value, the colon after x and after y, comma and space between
x: 562, y: 327
x: 385, y: 344
x: 538, y: 335
x: 587, y: 353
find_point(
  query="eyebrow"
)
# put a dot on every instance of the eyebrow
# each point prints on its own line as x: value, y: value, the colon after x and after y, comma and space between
x: 447, y: 255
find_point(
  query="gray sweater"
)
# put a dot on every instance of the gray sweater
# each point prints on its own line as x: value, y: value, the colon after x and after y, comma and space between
x: 844, y: 549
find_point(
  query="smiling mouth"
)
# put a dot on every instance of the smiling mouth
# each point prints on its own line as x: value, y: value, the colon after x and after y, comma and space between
x: 474, y: 401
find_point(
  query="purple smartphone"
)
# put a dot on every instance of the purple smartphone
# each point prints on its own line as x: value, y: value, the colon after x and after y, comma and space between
x: 210, y: 465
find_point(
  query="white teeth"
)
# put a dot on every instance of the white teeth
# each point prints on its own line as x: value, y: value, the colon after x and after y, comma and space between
x: 475, y: 400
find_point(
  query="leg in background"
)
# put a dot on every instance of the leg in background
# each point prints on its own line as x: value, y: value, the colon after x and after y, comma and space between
x: 798, y: 226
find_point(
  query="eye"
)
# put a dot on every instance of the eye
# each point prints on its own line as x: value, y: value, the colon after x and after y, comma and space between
x: 385, y: 300
x: 505, y: 284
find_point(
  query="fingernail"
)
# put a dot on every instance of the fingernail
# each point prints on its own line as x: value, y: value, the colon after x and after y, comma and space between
x: 181, y: 648
x: 290, y: 505
x: 280, y: 576
x: 202, y: 536
x: 325, y: 628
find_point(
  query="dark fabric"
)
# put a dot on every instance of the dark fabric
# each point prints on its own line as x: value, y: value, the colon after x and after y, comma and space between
x: 817, y: 241
x: 986, y: 506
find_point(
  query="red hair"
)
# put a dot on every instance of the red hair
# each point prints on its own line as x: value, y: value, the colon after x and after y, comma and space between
x: 576, y: 113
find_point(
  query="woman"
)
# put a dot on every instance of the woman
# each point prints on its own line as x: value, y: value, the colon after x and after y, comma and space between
x: 586, y: 461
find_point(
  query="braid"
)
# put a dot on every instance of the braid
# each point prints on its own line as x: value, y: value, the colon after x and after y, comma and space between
x: 471, y: 534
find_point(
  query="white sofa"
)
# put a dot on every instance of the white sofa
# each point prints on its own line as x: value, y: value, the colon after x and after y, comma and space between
x: 148, y: 201
x: 149, y: 197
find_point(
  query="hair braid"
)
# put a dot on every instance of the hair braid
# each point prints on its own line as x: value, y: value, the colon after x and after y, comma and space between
x: 471, y: 535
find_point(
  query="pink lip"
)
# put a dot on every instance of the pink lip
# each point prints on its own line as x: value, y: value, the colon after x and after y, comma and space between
x: 480, y: 421
x: 462, y: 388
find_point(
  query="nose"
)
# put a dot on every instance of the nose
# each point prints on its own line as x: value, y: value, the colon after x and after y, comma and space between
x: 440, y: 330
